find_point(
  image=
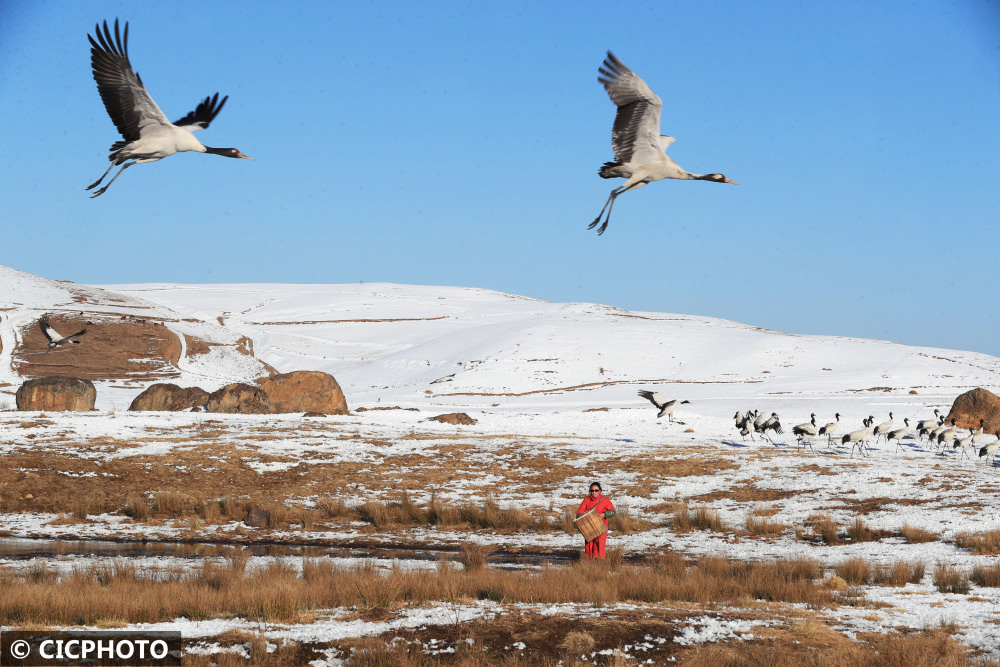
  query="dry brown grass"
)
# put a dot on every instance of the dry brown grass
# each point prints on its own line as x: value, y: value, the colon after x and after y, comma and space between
x: 899, y: 573
x: 825, y: 528
x: 948, y: 579
x: 986, y: 575
x: 702, y: 518
x: 762, y: 525
x: 858, y: 571
x: 487, y: 514
x: 986, y: 542
x: 332, y: 508
x: 626, y: 523
x: 136, y: 507
x: 915, y: 535
x: 276, y: 592
x: 859, y: 531
x: 473, y: 556
x: 854, y: 571
x: 825, y: 648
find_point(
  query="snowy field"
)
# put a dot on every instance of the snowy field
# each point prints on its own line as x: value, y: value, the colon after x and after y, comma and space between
x: 553, y: 388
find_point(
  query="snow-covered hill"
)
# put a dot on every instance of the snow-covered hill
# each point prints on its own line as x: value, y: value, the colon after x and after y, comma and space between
x: 388, y: 343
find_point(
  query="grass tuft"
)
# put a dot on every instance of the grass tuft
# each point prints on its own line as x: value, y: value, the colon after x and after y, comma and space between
x: 473, y: 556
x: 136, y: 506
x: 915, y: 535
x: 985, y: 543
x: 854, y: 571
x: 762, y: 525
x: 825, y: 527
x: 986, y: 575
x: 702, y: 518
x: 948, y: 579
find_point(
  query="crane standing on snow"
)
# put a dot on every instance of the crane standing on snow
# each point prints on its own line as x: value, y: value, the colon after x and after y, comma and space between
x: 148, y: 135
x: 639, y: 147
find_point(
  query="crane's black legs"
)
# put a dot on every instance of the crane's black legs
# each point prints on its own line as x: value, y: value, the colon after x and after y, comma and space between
x: 610, y: 204
x: 98, y: 181
x: 101, y: 191
x: 600, y: 215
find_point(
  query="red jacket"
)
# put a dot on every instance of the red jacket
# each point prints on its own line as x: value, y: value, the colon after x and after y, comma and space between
x: 602, y: 503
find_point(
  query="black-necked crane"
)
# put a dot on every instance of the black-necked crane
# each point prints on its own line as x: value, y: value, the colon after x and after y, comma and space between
x: 882, y: 428
x: 924, y: 426
x: 977, y: 434
x: 991, y: 449
x: 860, y: 437
x: 659, y: 400
x: 744, y: 424
x: 898, y: 434
x: 947, y: 434
x: 936, y: 432
x: 148, y: 135
x: 639, y: 147
x: 55, y: 338
x: 965, y: 444
x: 772, y: 424
x: 807, y: 430
x: 829, y: 429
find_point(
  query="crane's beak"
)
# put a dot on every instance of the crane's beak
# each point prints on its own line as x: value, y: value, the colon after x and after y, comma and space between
x: 245, y: 157
x: 726, y: 180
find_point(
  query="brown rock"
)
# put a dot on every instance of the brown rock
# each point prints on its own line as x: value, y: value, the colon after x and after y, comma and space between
x: 168, y: 397
x: 239, y: 398
x: 257, y: 518
x: 57, y: 393
x: 974, y: 405
x: 305, y: 391
x: 455, y: 418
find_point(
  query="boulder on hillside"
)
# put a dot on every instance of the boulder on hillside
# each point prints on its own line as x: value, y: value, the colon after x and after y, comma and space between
x: 57, y: 394
x: 240, y: 398
x: 166, y: 397
x: 974, y: 405
x: 459, y: 418
x: 257, y: 518
x: 305, y: 391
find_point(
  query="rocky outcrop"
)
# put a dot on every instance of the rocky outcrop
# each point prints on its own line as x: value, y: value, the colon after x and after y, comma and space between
x: 305, y: 391
x: 128, y: 348
x: 257, y: 518
x: 57, y: 394
x: 166, y: 397
x: 239, y: 398
x: 459, y: 418
x: 974, y: 405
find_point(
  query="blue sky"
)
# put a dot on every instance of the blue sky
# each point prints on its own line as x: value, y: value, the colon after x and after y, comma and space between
x: 458, y: 144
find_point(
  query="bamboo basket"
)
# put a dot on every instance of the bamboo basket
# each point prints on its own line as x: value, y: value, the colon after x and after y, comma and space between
x: 590, y: 525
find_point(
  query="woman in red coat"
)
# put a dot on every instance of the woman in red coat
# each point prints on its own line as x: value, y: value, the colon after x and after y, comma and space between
x: 605, y: 509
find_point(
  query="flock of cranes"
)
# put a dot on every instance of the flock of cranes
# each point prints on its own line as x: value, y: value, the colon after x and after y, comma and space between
x: 938, y: 431
x: 148, y: 135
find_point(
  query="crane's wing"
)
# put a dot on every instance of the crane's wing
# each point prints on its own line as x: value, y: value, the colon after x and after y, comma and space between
x: 131, y: 108
x: 76, y: 335
x: 656, y: 399
x: 47, y: 329
x: 203, y: 114
x: 636, y: 133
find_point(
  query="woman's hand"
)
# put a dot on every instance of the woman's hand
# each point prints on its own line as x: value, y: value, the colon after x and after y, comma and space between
x: 600, y: 514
